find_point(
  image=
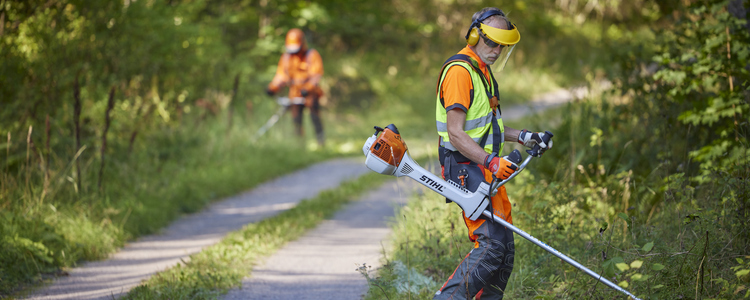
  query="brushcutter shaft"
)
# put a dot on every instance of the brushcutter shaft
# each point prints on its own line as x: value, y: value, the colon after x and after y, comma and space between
x: 549, y: 249
x: 284, y: 103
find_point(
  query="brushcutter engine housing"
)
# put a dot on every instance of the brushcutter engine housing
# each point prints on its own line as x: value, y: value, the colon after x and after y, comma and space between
x: 386, y: 153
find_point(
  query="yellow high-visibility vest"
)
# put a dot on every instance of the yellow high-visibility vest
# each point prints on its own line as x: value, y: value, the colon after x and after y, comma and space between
x: 479, y: 115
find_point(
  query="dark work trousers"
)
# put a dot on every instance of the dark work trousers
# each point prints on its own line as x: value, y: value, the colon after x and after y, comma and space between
x: 485, y: 271
x: 297, y: 113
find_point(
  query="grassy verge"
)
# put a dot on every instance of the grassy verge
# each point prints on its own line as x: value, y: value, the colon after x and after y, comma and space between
x: 222, y: 266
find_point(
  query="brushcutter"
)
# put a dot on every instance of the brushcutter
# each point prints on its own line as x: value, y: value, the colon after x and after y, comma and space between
x: 386, y: 153
x: 284, y: 104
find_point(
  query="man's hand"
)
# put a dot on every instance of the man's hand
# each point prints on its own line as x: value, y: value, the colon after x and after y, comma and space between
x: 529, y: 139
x: 502, y: 167
x: 270, y: 92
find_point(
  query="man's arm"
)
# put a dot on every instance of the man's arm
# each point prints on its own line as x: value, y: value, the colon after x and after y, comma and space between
x: 280, y: 79
x: 315, y: 70
x: 511, y: 134
x: 464, y: 143
x: 459, y: 139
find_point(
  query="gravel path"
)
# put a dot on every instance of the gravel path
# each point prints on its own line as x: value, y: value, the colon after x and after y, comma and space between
x: 139, y: 260
x: 321, y: 265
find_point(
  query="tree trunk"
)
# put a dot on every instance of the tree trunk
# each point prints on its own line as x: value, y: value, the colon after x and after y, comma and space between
x: 107, y: 120
x: 230, y: 111
x: 265, y: 20
x: 46, y: 159
x: 134, y: 134
x: 77, y: 124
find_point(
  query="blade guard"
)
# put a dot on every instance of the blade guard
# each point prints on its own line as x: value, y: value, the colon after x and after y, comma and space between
x: 387, y: 154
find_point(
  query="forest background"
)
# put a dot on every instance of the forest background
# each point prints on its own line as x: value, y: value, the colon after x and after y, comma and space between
x: 119, y: 116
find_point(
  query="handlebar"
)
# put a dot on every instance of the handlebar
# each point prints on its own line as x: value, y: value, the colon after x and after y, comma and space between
x: 534, y: 152
x: 286, y: 101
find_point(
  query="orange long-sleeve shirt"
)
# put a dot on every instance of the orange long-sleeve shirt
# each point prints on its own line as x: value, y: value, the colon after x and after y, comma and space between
x: 299, y: 71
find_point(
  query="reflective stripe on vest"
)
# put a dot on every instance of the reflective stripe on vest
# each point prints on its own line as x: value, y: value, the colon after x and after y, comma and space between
x: 478, y: 117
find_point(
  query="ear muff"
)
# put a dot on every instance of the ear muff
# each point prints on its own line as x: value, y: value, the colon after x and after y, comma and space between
x: 472, y: 36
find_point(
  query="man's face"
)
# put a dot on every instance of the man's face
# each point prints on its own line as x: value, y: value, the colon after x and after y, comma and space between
x: 488, y: 54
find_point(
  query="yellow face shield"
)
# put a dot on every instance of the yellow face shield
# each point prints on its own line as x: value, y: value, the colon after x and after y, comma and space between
x: 496, y: 37
x: 501, y: 36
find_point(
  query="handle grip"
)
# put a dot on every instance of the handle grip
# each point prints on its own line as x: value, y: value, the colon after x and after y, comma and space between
x: 515, y: 156
x: 536, y: 150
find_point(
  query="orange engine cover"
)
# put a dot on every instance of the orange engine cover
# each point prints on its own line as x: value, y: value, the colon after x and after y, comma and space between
x: 389, y: 146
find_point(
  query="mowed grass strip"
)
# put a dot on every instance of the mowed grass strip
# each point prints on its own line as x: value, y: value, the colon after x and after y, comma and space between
x: 220, y: 267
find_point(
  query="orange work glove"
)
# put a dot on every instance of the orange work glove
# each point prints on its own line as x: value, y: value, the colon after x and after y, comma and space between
x: 502, y: 167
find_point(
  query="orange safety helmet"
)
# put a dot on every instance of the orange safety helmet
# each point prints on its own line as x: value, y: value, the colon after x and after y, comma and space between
x: 295, y: 40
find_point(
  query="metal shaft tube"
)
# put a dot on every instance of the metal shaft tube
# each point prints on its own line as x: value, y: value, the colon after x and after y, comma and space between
x: 558, y: 254
x: 540, y: 243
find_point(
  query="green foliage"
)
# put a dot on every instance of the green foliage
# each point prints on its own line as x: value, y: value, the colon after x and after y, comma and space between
x: 738, y: 289
x: 33, y: 248
x: 704, y: 57
x: 21, y: 259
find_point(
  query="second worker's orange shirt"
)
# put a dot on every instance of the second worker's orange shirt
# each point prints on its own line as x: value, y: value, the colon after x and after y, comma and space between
x: 295, y: 70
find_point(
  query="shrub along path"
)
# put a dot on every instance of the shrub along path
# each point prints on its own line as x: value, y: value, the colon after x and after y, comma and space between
x: 146, y: 256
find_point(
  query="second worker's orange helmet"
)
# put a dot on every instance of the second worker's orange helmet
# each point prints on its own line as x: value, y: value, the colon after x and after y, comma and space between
x: 295, y: 40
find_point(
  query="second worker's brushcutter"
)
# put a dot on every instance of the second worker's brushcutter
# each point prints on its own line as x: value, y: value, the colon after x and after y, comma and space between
x: 386, y: 153
x: 284, y: 104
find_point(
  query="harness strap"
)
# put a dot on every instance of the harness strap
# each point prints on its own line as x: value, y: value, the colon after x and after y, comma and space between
x: 467, y: 59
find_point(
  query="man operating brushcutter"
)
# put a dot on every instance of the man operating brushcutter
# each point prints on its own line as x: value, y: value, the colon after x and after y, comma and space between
x: 472, y: 135
x: 301, y: 69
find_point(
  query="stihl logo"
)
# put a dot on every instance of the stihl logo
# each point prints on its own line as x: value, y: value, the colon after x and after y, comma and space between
x: 431, y: 183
